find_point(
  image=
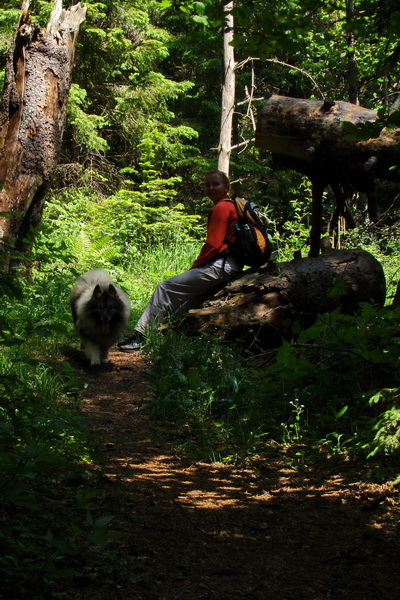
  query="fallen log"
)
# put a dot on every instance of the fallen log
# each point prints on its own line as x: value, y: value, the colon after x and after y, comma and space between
x: 273, y: 302
x: 307, y: 136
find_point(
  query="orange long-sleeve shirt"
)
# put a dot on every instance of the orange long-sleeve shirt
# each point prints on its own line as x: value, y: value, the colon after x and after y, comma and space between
x: 221, y: 221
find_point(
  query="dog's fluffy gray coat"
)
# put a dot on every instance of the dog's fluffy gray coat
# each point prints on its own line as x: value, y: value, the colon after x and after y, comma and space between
x: 100, y: 311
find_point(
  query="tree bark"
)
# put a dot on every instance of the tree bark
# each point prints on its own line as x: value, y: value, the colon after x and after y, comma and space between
x: 228, y: 94
x: 352, y: 83
x: 271, y: 303
x: 32, y: 118
x: 306, y: 135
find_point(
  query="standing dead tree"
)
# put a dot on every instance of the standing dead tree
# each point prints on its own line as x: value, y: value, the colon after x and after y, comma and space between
x: 32, y: 118
x: 307, y: 136
x: 228, y: 94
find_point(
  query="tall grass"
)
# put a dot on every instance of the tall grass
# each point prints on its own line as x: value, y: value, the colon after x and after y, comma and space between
x: 159, y: 262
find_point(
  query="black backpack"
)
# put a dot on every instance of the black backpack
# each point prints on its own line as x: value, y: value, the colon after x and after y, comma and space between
x: 252, y: 245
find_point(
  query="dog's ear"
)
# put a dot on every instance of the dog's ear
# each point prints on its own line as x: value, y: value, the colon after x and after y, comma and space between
x: 112, y: 291
x: 96, y: 291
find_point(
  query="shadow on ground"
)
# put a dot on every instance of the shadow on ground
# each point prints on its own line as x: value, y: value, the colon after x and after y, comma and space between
x: 208, y: 531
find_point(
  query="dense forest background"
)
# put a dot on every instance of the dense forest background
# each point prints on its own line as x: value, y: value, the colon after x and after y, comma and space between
x: 145, y: 107
x: 143, y: 125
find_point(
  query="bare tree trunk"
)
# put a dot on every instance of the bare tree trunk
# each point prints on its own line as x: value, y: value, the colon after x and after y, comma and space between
x: 351, y: 56
x: 32, y: 118
x: 317, y: 192
x: 228, y: 94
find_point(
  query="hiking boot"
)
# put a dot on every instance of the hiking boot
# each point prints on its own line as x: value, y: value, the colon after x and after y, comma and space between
x: 132, y: 344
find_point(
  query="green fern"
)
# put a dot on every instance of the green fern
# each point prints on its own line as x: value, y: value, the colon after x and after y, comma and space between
x: 387, y: 437
x: 92, y: 254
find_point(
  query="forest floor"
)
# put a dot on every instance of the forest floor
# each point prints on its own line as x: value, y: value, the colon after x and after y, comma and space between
x: 206, y: 530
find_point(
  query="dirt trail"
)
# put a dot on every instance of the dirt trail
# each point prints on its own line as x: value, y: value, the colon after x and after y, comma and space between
x: 207, y: 531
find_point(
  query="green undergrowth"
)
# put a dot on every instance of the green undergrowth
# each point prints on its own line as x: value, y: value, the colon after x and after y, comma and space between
x: 53, y: 532
x: 336, y: 387
x: 334, y: 391
x: 384, y: 246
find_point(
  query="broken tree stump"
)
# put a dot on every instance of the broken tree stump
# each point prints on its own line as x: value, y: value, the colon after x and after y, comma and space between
x: 271, y: 303
x: 307, y: 136
x: 32, y: 117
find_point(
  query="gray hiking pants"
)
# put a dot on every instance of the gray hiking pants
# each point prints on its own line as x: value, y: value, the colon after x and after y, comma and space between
x: 186, y: 291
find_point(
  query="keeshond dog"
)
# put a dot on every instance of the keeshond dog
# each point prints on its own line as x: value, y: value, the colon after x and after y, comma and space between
x: 100, y: 311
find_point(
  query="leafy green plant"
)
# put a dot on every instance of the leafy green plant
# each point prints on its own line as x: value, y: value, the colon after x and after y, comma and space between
x: 45, y: 449
x: 316, y: 391
x: 92, y: 254
x: 293, y: 428
x: 387, y: 437
x: 383, y: 245
x: 142, y: 219
x: 86, y: 126
x: 204, y: 382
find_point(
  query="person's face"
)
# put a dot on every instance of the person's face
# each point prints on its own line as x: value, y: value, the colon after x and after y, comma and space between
x: 214, y: 187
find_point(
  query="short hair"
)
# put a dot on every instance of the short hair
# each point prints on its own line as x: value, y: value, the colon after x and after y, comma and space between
x: 223, y: 176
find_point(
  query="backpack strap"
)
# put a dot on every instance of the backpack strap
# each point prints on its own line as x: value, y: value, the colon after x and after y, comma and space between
x: 231, y: 250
